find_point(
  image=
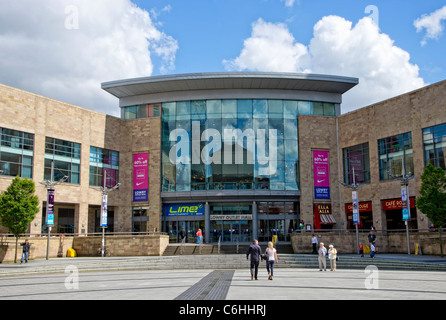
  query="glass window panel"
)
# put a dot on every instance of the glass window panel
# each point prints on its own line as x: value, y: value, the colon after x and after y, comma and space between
x: 329, y: 109
x: 290, y: 129
x: 183, y: 110
x: 305, y: 107
x: 244, y: 108
x: 198, y: 110
x: 290, y: 109
x: 291, y: 150
x: 275, y: 106
x: 318, y: 108
x: 169, y: 110
x: 260, y: 108
x: 213, y: 109
x: 229, y: 108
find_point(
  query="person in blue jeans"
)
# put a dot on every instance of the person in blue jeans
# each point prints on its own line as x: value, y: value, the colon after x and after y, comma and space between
x: 272, y: 257
x: 25, y: 254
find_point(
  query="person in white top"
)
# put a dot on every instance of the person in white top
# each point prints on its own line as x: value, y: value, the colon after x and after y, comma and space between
x: 272, y: 257
x: 332, y: 255
x: 314, y: 242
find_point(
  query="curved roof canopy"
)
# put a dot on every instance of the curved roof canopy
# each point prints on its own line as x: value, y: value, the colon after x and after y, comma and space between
x: 230, y: 80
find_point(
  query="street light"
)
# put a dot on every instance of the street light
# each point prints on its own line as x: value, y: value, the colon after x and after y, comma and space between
x: 355, y: 202
x: 405, y: 199
x: 49, y: 185
x: 104, y: 191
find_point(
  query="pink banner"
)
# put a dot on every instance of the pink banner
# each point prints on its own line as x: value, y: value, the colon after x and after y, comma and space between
x: 321, y: 171
x: 140, y: 176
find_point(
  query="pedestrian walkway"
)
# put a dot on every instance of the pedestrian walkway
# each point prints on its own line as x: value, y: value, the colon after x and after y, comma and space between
x: 184, y: 286
x: 215, y: 262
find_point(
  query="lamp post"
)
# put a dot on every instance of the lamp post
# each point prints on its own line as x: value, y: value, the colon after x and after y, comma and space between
x: 104, y: 191
x: 405, y: 199
x: 50, y: 185
x: 355, y: 202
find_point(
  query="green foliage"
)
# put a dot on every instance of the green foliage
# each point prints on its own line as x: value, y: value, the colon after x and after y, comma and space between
x: 432, y: 201
x: 18, y: 206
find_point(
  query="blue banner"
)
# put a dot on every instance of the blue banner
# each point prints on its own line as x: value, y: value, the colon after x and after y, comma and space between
x: 322, y: 192
x: 140, y: 195
x: 184, y: 209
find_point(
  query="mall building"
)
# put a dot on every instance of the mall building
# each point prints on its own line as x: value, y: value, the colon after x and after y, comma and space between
x: 237, y: 155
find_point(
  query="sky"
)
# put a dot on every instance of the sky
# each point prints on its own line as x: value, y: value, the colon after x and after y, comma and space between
x: 65, y: 49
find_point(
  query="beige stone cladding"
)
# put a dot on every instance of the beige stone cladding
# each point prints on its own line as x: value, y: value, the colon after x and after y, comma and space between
x: 317, y: 133
x: 411, y: 112
x: 44, y: 117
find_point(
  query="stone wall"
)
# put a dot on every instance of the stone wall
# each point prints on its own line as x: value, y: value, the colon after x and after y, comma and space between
x: 119, y: 246
x: 345, y: 242
x: 123, y: 246
x: 38, y: 248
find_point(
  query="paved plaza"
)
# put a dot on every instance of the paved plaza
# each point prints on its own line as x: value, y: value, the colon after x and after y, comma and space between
x: 207, y: 284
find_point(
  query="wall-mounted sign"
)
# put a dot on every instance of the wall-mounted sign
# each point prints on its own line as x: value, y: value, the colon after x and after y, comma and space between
x: 363, y: 207
x: 321, y: 172
x: 140, y: 177
x: 396, y: 204
x: 228, y: 217
x: 184, y: 209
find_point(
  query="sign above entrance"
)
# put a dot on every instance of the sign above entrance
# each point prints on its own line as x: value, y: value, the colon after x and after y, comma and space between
x: 229, y: 217
x: 184, y: 209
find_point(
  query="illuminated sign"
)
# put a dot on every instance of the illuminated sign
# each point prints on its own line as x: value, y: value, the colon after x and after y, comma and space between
x: 184, y: 209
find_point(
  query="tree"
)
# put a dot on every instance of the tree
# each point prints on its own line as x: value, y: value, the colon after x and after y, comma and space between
x: 432, y: 201
x: 18, y: 207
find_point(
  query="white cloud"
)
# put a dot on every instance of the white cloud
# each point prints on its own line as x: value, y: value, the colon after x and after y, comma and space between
x: 271, y: 47
x: 65, y: 49
x: 289, y: 3
x: 432, y: 23
x: 339, y: 48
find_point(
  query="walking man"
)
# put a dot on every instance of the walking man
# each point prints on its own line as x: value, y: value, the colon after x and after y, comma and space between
x: 255, y: 252
x: 321, y: 257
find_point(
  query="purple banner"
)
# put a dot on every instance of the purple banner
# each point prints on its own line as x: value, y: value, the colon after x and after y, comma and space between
x: 321, y: 171
x: 140, y: 177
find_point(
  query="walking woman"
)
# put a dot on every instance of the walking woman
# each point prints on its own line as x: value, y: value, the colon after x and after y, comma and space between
x: 272, y: 257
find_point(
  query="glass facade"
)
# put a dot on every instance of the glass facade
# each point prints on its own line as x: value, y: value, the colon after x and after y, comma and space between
x: 434, y: 145
x: 66, y: 157
x: 393, y: 152
x: 16, y: 153
x: 104, y: 161
x: 233, y: 144
x: 356, y: 164
x: 141, y: 111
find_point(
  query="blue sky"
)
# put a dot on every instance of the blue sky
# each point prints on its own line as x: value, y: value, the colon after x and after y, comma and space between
x: 82, y: 43
x: 209, y: 31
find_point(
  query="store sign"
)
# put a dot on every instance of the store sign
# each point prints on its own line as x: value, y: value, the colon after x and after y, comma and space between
x: 321, y: 172
x: 396, y: 204
x: 363, y: 207
x: 140, y: 177
x: 231, y: 217
x: 184, y: 209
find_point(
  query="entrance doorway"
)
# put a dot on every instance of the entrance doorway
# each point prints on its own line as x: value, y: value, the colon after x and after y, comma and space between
x: 190, y: 228
x: 231, y: 231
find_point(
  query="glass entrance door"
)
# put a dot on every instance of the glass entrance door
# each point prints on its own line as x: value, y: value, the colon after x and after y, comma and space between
x: 189, y: 229
x: 232, y: 231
